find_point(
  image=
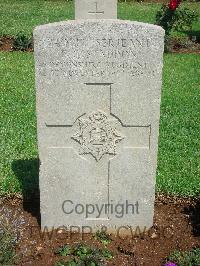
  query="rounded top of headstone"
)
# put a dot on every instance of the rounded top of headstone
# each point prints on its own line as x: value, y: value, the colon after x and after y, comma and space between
x: 105, y: 22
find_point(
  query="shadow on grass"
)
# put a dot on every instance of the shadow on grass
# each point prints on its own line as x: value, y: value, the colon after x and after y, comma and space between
x: 194, y: 215
x: 27, y: 171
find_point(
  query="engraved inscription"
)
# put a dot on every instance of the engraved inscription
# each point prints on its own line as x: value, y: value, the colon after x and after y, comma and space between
x: 96, y: 136
x: 72, y: 69
x: 138, y: 42
x: 103, y: 56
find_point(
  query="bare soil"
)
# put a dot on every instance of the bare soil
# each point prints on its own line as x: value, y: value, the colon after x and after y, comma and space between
x: 176, y: 227
x: 6, y: 44
x: 177, y: 45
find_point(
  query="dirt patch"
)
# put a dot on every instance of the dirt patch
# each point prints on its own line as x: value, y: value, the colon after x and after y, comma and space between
x: 6, y: 44
x: 176, y: 227
x: 184, y: 45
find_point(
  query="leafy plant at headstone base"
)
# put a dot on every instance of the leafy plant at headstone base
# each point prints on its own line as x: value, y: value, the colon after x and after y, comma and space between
x: 83, y: 255
x: 103, y: 237
x: 22, y: 42
x: 64, y: 250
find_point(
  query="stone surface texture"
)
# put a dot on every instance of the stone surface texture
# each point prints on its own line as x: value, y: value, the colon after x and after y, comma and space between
x: 98, y: 88
x: 99, y: 9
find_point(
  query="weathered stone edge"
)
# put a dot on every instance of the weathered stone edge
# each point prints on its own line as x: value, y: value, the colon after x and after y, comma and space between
x: 106, y: 21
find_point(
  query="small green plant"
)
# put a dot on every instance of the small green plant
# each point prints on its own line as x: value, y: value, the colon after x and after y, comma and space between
x: 67, y: 263
x: 64, y: 251
x: 184, y: 18
x: 7, y: 245
x: 103, y: 237
x: 22, y: 42
x: 82, y: 251
x: 83, y: 255
x: 188, y: 258
x: 107, y: 254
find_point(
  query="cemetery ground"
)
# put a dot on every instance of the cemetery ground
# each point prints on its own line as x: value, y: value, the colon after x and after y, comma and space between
x: 177, y: 220
x: 22, y: 16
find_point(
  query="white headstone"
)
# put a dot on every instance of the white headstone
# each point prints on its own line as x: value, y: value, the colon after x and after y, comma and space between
x: 95, y: 9
x: 98, y: 107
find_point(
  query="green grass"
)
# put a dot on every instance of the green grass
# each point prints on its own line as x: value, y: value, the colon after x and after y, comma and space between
x: 144, y: 12
x: 24, y: 15
x: 179, y: 162
x: 17, y: 114
x: 179, y: 147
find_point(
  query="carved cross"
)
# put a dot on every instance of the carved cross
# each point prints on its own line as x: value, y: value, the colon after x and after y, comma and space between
x: 96, y: 10
x: 94, y: 136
